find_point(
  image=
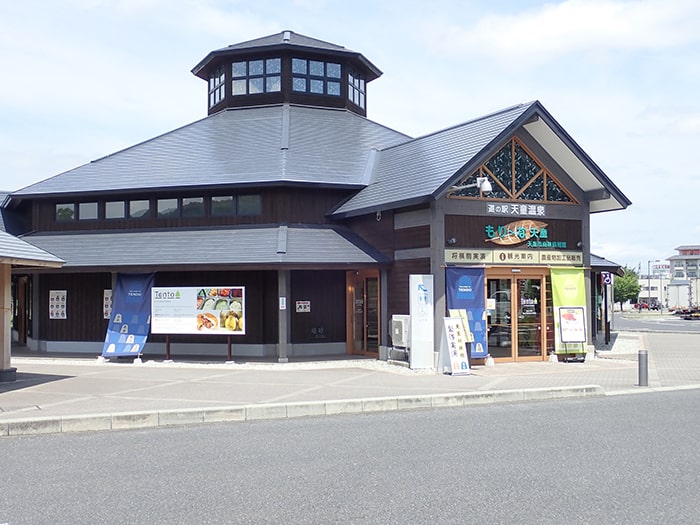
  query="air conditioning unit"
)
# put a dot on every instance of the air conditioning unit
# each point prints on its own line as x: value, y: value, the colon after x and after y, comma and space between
x: 400, y: 326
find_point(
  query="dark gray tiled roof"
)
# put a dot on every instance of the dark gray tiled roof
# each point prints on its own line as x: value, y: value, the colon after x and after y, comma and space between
x: 18, y: 252
x: 601, y: 264
x: 250, y: 146
x: 295, y: 39
x: 277, y: 246
x: 414, y: 170
x: 282, y: 40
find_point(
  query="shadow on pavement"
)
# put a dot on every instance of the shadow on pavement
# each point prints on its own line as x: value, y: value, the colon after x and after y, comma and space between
x: 25, y: 380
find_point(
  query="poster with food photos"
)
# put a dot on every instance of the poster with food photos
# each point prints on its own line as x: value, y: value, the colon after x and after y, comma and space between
x: 206, y: 310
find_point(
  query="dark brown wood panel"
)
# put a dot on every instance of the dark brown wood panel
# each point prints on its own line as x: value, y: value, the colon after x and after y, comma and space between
x: 84, y: 296
x: 326, y: 292
x: 378, y: 233
x: 416, y: 237
x: 398, y: 277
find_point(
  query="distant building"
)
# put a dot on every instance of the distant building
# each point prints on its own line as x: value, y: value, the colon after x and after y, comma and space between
x: 683, y: 288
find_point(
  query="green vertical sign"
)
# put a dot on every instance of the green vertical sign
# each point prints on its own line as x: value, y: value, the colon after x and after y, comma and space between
x: 570, y: 318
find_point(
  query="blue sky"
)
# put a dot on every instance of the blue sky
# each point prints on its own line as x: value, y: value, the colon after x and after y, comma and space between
x: 86, y: 78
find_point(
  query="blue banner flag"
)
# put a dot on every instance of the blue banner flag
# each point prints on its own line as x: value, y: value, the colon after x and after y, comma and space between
x: 465, y: 291
x: 131, y: 315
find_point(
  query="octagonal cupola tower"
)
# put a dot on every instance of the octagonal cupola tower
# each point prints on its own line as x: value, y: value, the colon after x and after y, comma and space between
x: 286, y: 68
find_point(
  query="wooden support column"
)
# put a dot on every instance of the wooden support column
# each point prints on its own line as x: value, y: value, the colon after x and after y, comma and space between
x: 7, y: 373
x: 284, y: 316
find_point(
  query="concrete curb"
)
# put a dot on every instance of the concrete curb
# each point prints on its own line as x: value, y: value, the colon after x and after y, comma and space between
x: 198, y: 416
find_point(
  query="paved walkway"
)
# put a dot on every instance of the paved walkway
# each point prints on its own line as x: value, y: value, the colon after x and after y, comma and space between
x: 67, y: 394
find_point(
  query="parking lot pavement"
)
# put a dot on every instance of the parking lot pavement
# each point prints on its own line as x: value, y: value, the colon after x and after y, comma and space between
x: 59, y: 394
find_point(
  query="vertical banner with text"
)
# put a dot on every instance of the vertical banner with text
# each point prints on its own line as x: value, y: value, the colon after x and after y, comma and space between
x: 569, y: 301
x: 465, y: 291
x: 131, y: 315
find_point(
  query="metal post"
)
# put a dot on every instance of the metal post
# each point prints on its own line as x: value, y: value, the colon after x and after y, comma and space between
x: 643, y: 361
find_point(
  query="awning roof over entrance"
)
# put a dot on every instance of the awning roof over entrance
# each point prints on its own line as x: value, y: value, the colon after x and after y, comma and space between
x: 20, y: 253
x: 271, y: 246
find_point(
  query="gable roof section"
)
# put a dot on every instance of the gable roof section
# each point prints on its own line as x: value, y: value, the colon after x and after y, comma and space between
x: 423, y: 169
x: 413, y: 172
x: 251, y: 146
x: 271, y: 245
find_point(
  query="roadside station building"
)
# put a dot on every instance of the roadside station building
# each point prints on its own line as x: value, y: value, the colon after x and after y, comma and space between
x: 287, y: 190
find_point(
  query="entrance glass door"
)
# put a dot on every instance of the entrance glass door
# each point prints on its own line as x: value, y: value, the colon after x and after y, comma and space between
x: 500, y: 321
x: 363, y: 320
x: 529, y: 317
x: 515, y: 317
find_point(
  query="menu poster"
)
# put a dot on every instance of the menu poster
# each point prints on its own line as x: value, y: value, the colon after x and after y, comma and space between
x: 107, y: 304
x: 57, y: 304
x: 206, y: 310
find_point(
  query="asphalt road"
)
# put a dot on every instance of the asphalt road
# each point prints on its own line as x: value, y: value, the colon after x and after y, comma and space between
x: 653, y: 322
x: 614, y: 460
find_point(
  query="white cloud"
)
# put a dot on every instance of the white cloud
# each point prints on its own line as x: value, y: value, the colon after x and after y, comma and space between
x: 594, y: 28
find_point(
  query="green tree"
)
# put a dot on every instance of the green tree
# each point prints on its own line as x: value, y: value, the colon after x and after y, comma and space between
x: 626, y: 288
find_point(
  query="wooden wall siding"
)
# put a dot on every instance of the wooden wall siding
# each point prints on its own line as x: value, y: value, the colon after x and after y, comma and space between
x: 398, y: 276
x: 416, y: 237
x: 261, y: 311
x: 280, y: 205
x: 326, y: 292
x: 378, y: 233
x: 470, y: 231
x: 84, y: 298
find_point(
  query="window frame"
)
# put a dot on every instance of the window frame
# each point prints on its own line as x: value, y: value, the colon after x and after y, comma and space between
x: 271, y: 70
x: 308, y: 78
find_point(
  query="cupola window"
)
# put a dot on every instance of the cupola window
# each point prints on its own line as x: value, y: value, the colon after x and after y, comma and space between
x: 217, y: 87
x: 356, y: 88
x: 315, y: 76
x: 257, y: 76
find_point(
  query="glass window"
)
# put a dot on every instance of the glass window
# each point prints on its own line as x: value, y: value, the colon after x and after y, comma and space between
x: 193, y: 206
x: 299, y: 84
x: 240, y: 87
x: 249, y: 205
x: 273, y: 65
x: 87, y: 211
x: 256, y: 76
x: 139, y: 209
x: 255, y: 68
x: 239, y: 69
x: 65, y: 212
x: 316, y: 86
x: 516, y: 175
x: 273, y: 84
x: 299, y: 66
x: 217, y: 86
x: 332, y: 70
x: 356, y: 88
x: 313, y: 76
x: 115, y: 210
x: 334, y: 88
x: 168, y: 208
x: 255, y: 85
x: 316, y: 68
x: 223, y: 205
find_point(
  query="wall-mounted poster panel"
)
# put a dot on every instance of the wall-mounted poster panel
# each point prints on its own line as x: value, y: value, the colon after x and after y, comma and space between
x: 57, y: 304
x: 215, y: 310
